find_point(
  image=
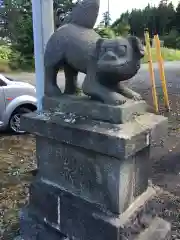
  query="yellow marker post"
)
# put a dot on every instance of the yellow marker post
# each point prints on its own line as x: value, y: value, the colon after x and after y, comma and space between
x: 161, y: 70
x: 151, y: 70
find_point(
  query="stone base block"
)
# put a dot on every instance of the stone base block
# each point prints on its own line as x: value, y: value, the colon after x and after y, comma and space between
x: 105, y: 163
x: 115, y: 140
x: 158, y: 230
x: 111, y: 183
x: 33, y: 229
x: 92, y: 182
x: 53, y: 211
x: 82, y: 106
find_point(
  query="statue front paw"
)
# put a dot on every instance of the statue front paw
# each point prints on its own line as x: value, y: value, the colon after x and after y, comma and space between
x: 114, y: 99
x: 137, y: 97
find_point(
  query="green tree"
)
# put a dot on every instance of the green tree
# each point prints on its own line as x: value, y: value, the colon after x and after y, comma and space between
x: 150, y: 19
x: 121, y: 26
x: 22, y: 43
x: 136, y: 22
x: 159, y: 19
x: 9, y: 13
x: 177, y: 18
x: 104, y: 29
x: 18, y: 16
x: 166, y: 14
x: 106, y: 19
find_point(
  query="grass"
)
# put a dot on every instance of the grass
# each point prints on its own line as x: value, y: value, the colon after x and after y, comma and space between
x: 167, y: 54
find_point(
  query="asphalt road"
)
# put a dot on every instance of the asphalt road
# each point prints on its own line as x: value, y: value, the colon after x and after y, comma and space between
x: 141, y: 81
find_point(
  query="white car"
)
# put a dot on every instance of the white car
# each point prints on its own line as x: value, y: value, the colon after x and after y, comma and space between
x: 16, y: 98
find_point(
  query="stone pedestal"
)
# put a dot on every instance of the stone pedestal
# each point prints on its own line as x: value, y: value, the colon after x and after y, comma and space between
x: 92, y: 181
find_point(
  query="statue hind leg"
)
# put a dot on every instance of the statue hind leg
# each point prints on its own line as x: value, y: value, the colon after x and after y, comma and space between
x: 70, y: 79
x: 53, y: 61
x: 51, y: 87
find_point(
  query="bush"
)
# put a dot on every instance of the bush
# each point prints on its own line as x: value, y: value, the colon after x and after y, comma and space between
x: 13, y: 60
x: 5, y: 52
x: 178, y: 42
x: 4, y: 66
x: 105, y: 32
x: 17, y: 61
x: 172, y: 40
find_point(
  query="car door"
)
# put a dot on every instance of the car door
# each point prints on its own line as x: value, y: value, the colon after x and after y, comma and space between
x: 2, y: 99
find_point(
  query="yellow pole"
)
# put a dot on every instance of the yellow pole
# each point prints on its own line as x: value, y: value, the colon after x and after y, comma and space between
x: 151, y: 70
x: 161, y: 71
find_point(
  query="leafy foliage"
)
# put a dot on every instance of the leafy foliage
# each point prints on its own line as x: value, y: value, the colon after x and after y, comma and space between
x: 16, y: 21
x: 105, y: 32
x: 121, y: 26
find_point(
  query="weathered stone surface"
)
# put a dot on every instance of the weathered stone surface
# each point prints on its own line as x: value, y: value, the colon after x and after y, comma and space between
x: 79, y: 219
x: 92, y: 179
x: 158, y: 230
x: 93, y: 158
x: 104, y: 180
x: 120, y: 141
x: 18, y: 238
x: 33, y: 229
x: 95, y: 110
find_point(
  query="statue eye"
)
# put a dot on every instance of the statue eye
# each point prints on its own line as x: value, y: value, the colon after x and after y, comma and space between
x: 122, y: 50
x: 103, y: 50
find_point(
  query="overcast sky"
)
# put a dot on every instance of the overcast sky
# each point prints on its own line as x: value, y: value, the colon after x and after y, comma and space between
x: 119, y: 6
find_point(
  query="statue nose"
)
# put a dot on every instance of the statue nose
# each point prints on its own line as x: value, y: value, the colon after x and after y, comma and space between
x: 109, y: 56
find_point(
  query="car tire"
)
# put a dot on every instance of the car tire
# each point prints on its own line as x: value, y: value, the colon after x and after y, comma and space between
x: 14, y: 122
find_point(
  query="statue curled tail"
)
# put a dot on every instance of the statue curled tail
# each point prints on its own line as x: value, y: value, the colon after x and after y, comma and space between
x: 84, y: 13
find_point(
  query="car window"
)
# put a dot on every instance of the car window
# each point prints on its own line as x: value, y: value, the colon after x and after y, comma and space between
x: 10, y: 79
x: 2, y: 83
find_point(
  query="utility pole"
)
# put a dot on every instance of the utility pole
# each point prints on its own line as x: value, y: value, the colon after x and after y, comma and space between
x: 43, y: 27
x: 108, y: 14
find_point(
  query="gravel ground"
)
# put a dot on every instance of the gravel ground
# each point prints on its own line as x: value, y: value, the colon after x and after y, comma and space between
x: 17, y: 157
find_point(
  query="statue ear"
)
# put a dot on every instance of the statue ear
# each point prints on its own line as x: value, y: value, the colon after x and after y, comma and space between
x: 98, y: 46
x: 137, y: 45
x: 99, y: 43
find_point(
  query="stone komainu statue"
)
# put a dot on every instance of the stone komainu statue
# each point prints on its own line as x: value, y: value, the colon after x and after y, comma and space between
x: 76, y: 47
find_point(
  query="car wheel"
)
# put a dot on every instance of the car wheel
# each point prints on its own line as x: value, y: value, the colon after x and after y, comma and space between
x: 14, y: 122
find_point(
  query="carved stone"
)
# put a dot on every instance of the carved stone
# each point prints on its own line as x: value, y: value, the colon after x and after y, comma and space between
x: 93, y: 155
x: 92, y: 180
x: 81, y: 106
x: 76, y: 47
